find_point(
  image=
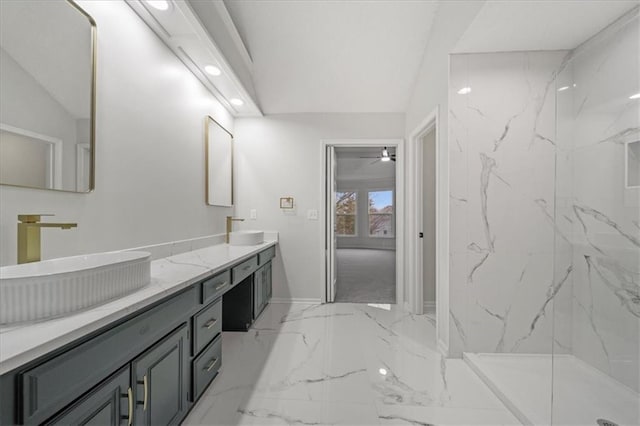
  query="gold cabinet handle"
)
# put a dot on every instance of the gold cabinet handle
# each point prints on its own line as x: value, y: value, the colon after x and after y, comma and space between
x: 210, y: 323
x: 130, y: 398
x: 144, y: 379
x: 211, y: 364
x: 222, y: 285
x: 246, y: 267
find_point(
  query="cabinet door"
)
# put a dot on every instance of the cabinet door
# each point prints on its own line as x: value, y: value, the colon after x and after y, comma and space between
x: 269, y: 280
x: 161, y: 381
x: 258, y: 290
x: 111, y: 403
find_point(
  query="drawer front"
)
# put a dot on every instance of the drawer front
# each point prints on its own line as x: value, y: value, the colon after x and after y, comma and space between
x: 266, y: 255
x: 55, y: 383
x: 206, y: 325
x: 215, y: 287
x: 244, y: 269
x: 205, y: 367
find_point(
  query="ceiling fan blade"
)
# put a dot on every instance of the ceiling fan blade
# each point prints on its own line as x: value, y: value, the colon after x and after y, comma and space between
x: 374, y: 162
x: 368, y: 157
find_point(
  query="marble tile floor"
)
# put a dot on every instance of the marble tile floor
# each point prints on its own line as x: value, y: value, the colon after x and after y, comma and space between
x: 343, y: 364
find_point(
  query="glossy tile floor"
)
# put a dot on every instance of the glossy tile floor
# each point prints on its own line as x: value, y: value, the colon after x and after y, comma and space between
x: 343, y: 364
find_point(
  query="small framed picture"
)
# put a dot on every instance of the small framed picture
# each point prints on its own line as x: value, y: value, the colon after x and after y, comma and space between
x: 286, y: 202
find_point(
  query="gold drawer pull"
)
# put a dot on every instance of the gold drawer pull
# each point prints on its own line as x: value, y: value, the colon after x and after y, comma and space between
x: 211, y: 364
x: 130, y: 398
x: 144, y: 407
x: 246, y: 267
x: 210, y: 323
x: 224, y: 284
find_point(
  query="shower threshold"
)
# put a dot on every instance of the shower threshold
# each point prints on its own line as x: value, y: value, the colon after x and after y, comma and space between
x: 582, y: 394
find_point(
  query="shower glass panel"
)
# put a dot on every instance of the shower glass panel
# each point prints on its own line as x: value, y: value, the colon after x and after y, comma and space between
x: 596, y: 314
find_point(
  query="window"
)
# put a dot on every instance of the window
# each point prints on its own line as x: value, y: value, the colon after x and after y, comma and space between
x: 381, y: 213
x: 346, y: 207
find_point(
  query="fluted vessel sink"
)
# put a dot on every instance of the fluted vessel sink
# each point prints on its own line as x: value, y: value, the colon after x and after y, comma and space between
x: 246, y: 238
x: 51, y: 288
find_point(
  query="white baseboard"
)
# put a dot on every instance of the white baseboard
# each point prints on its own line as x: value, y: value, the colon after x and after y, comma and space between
x: 429, y: 306
x: 306, y: 301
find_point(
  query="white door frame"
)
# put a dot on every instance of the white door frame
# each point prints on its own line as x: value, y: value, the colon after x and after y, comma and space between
x: 414, y: 226
x: 400, y: 207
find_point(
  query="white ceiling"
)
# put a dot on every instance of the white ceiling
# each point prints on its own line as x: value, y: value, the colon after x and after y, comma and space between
x: 334, y: 56
x: 503, y: 26
x: 350, y: 165
x: 57, y: 55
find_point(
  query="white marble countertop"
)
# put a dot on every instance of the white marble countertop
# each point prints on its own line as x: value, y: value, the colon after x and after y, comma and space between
x: 22, y: 343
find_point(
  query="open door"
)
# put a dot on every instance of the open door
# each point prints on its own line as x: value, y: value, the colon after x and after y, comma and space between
x: 331, y: 224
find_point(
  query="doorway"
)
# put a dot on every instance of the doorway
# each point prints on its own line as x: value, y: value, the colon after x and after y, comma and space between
x: 427, y: 214
x: 363, y: 234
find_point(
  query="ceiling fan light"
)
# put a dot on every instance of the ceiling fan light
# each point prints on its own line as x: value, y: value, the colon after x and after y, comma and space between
x: 385, y: 158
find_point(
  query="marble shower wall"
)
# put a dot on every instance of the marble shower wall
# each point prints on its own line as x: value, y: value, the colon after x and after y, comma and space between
x: 596, y: 212
x: 502, y: 168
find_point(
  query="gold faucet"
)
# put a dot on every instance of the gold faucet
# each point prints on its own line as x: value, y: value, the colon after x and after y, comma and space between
x: 230, y: 220
x: 29, y: 235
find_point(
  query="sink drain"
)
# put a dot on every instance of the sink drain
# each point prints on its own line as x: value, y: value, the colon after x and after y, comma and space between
x: 604, y: 422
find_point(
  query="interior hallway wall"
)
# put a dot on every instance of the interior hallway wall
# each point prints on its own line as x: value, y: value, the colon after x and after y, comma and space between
x: 502, y: 163
x: 281, y: 155
x: 149, y: 151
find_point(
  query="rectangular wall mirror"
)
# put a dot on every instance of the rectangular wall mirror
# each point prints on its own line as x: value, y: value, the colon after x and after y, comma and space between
x: 47, y: 95
x: 219, y: 164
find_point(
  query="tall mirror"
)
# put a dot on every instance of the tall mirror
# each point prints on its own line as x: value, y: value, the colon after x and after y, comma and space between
x: 219, y: 164
x: 47, y: 95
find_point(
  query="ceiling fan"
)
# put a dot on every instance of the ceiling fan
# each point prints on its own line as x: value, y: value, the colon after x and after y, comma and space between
x: 384, y: 156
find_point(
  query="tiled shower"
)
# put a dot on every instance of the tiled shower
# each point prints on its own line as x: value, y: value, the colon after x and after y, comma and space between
x: 545, y: 226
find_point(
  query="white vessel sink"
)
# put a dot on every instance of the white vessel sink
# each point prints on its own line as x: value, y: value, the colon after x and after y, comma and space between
x: 246, y: 238
x: 39, y: 290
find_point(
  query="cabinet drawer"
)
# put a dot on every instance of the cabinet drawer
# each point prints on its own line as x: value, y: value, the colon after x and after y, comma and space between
x: 111, y: 403
x: 206, y: 325
x: 266, y: 255
x: 205, y: 367
x: 55, y: 383
x: 244, y: 269
x: 214, y: 287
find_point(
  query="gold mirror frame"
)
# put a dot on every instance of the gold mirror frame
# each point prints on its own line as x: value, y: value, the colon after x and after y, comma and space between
x: 92, y: 126
x: 208, y: 121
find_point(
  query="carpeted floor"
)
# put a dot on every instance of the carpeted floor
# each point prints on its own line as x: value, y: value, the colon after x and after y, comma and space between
x: 366, y: 276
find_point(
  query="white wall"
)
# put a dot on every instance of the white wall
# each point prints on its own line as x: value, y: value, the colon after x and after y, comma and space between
x: 149, y: 151
x: 280, y: 155
x: 430, y: 93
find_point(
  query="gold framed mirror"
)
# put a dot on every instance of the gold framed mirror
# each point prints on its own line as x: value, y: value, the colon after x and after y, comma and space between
x: 218, y: 164
x: 47, y: 95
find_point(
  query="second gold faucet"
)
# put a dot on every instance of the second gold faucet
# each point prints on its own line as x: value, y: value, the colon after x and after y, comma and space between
x: 230, y: 220
x: 29, y: 235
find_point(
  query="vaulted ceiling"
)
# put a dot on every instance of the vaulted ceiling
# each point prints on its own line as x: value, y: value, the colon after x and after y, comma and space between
x: 334, y: 56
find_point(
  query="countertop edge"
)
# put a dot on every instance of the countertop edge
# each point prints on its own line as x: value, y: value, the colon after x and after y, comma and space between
x: 20, y: 358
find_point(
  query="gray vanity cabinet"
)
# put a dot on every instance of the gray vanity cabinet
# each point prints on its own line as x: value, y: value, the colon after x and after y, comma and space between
x: 261, y: 289
x: 161, y: 377
x: 110, y: 404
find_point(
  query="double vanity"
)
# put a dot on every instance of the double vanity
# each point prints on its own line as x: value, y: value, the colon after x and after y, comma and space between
x: 144, y: 358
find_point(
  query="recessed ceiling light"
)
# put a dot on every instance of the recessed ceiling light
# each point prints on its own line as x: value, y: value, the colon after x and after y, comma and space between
x: 213, y: 70
x: 464, y: 91
x: 636, y: 96
x: 383, y: 371
x: 159, y: 4
x: 236, y: 101
x: 563, y: 88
